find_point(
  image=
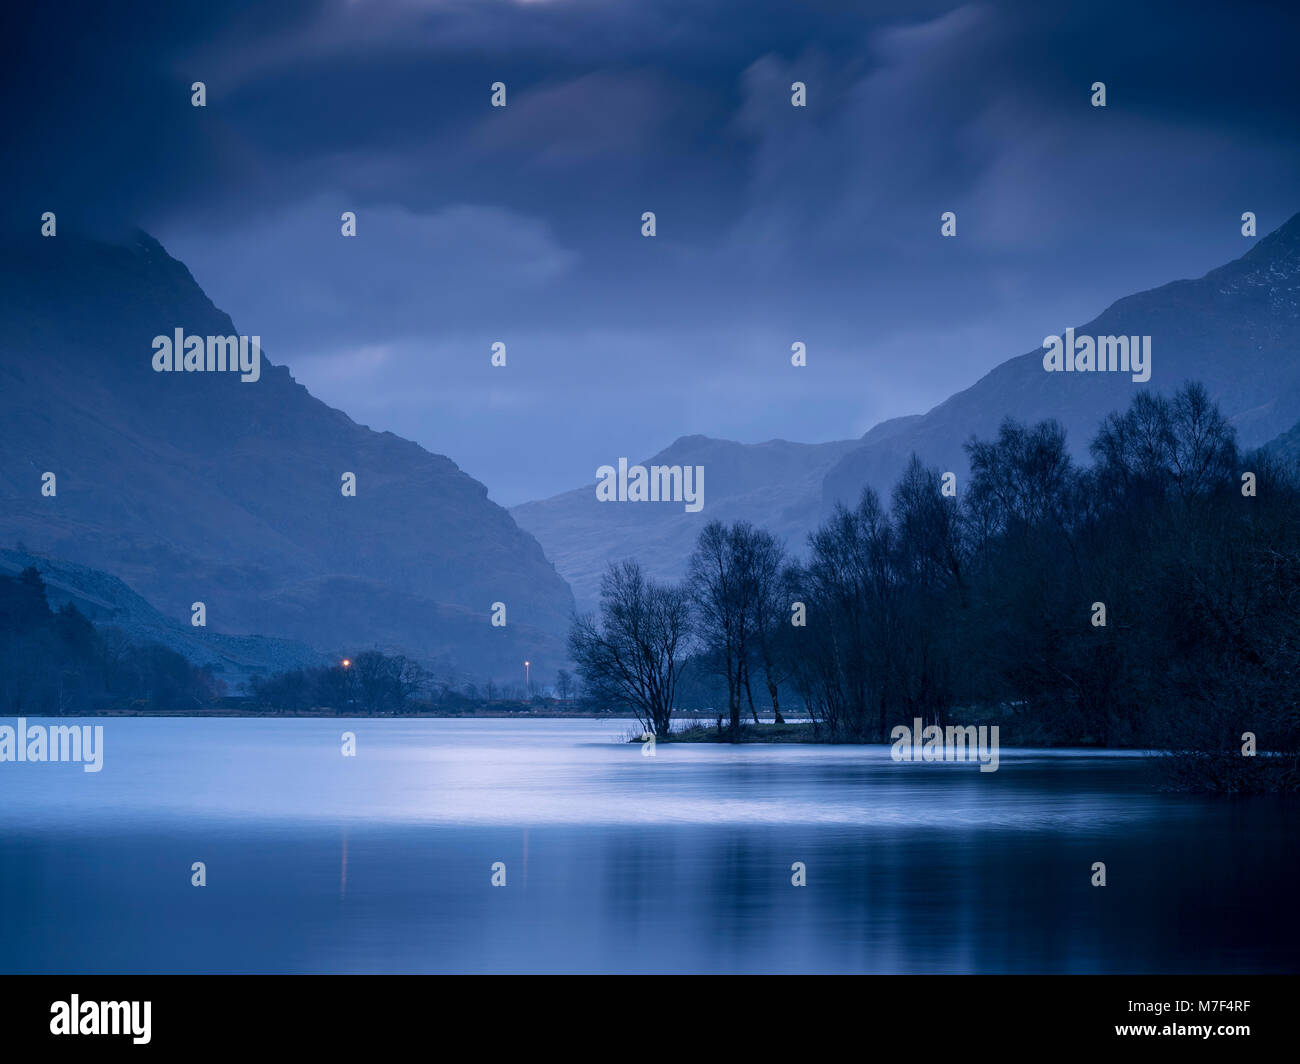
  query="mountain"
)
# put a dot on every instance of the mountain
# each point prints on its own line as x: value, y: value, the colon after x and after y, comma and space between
x: 1235, y: 330
x: 107, y: 602
x: 1286, y: 446
x: 201, y: 487
x: 779, y: 480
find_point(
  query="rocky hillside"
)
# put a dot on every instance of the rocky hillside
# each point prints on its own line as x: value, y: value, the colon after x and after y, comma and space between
x: 1235, y: 330
x: 201, y: 487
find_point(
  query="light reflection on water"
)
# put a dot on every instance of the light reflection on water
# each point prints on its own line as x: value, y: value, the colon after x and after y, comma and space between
x: 619, y: 862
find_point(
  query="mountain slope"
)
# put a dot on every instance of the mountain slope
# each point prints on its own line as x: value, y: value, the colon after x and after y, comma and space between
x: 1285, y: 446
x: 1235, y: 330
x: 199, y: 487
x: 107, y: 602
x: 779, y: 480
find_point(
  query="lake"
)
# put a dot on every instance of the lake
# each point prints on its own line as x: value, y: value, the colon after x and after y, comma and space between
x: 617, y: 862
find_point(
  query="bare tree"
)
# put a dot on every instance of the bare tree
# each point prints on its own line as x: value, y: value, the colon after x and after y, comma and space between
x: 564, y: 685
x: 630, y: 653
x: 411, y: 679
x: 724, y: 591
x: 1023, y: 478
x: 771, y: 615
x: 376, y: 677
x: 845, y: 654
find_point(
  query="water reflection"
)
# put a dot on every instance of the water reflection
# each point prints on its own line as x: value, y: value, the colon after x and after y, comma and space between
x: 621, y: 863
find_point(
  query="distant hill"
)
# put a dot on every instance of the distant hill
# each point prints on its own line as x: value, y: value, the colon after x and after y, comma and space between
x: 199, y: 487
x: 107, y: 602
x: 1235, y: 330
x: 778, y: 480
x: 1286, y: 445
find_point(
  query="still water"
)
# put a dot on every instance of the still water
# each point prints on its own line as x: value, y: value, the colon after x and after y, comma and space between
x: 616, y: 862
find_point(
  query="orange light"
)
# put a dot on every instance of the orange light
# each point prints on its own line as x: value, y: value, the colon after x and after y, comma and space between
x: 346, y: 663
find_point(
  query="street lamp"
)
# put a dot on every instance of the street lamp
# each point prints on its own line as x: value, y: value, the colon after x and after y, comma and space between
x: 527, y: 684
x: 347, y: 684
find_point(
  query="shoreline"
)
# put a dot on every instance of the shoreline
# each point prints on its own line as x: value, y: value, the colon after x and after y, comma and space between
x: 696, y: 729
x: 804, y: 732
x: 324, y: 714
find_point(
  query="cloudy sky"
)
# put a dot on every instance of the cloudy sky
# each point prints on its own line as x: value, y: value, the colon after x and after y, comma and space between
x: 775, y: 224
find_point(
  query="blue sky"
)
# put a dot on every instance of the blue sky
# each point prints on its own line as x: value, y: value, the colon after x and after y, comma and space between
x: 775, y: 224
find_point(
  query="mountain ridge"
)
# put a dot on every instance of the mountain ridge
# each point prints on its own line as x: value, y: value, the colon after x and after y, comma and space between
x: 200, y: 487
x: 1233, y: 329
x: 106, y: 601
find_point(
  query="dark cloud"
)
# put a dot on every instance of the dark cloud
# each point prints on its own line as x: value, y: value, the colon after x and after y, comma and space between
x: 775, y: 224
